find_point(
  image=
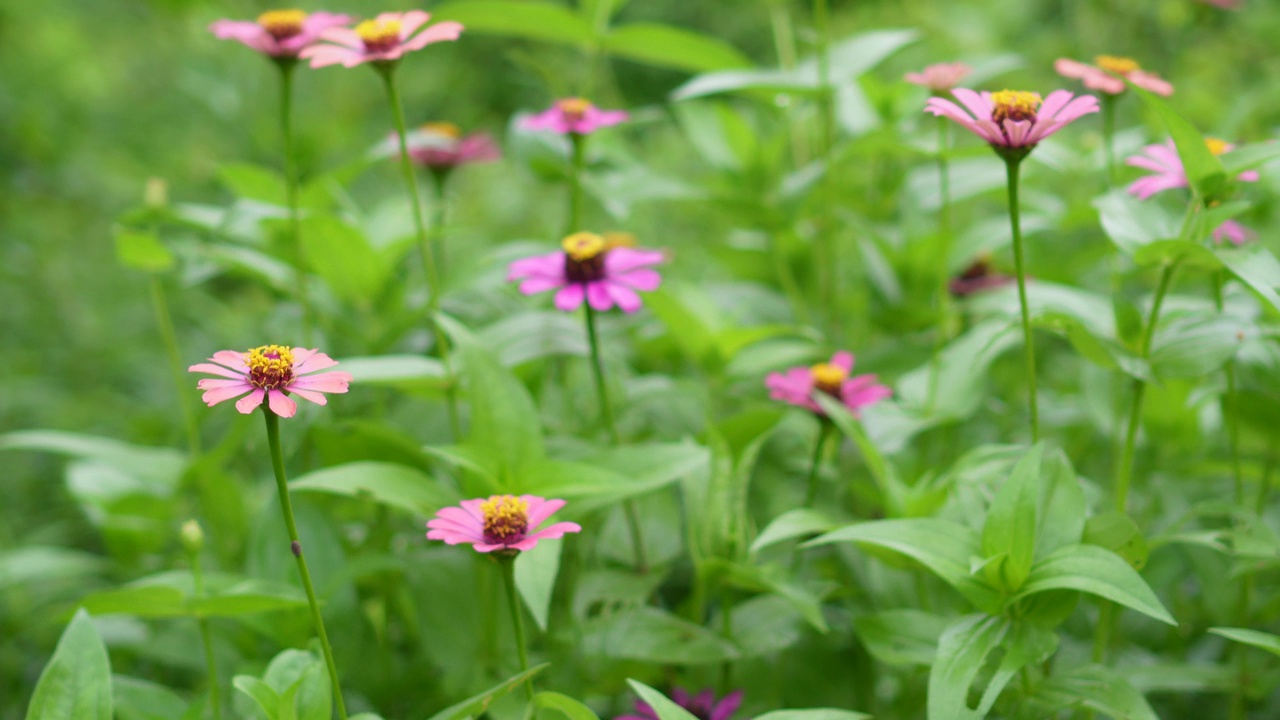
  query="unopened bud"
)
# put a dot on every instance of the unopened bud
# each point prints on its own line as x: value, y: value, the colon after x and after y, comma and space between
x: 192, y: 536
x: 156, y: 194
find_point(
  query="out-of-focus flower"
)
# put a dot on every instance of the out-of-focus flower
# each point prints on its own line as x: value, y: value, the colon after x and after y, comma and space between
x: 505, y: 523
x: 270, y: 372
x: 574, y: 116
x: 1011, y: 119
x: 1166, y: 166
x: 939, y: 77
x: 442, y: 146
x: 978, y: 277
x: 279, y: 33
x: 590, y: 268
x: 703, y: 706
x: 1225, y: 4
x: 383, y: 39
x: 1109, y: 73
x: 799, y: 385
x: 1233, y: 231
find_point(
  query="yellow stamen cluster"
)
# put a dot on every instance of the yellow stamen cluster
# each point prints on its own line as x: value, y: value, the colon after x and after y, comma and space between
x: 379, y: 35
x: 1117, y: 64
x: 1216, y: 146
x: 1014, y: 105
x: 270, y: 366
x: 828, y: 377
x: 506, y: 517
x: 445, y: 129
x: 282, y: 24
x: 583, y: 246
x: 575, y: 108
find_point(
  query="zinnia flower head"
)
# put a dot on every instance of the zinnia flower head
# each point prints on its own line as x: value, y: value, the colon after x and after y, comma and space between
x: 1109, y: 73
x: 799, y: 385
x: 1167, y: 170
x: 978, y: 277
x: 279, y: 33
x: 505, y: 523
x: 703, y: 706
x: 1013, y: 121
x: 270, y: 372
x: 590, y: 267
x: 574, y: 116
x: 442, y: 146
x: 381, y: 40
x: 939, y: 77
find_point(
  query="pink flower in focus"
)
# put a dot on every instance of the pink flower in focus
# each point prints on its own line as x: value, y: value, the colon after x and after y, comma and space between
x: 1233, y: 231
x: 272, y: 372
x: 574, y: 116
x: 279, y: 33
x: 593, y: 268
x: 799, y: 384
x: 1165, y: 164
x: 1012, y: 119
x: 442, y: 146
x: 503, y: 522
x: 383, y: 39
x: 703, y: 706
x: 1110, y: 73
x: 939, y: 77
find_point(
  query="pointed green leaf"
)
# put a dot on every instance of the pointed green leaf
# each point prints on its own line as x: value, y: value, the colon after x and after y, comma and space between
x: 1254, y: 638
x: 531, y: 19
x: 962, y: 650
x: 673, y: 47
x: 398, y: 486
x: 1100, y: 572
x: 800, y: 522
x: 1090, y: 687
x: 572, y: 709
x: 536, y: 572
x: 476, y: 705
x: 1204, y: 170
x: 1012, y: 522
x: 76, y: 683
x: 665, y: 708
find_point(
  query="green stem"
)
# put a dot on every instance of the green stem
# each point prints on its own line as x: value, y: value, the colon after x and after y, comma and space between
x: 295, y: 545
x: 579, y: 143
x: 206, y: 639
x: 1108, y: 134
x: 828, y: 258
x: 943, y: 262
x: 1264, y: 483
x: 1102, y: 632
x: 291, y: 194
x: 164, y: 321
x: 1230, y: 407
x: 1012, y: 166
x: 439, y: 184
x: 824, y: 435
x: 517, y: 617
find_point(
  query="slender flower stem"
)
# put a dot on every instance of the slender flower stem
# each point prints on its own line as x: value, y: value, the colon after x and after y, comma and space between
x: 579, y: 143
x: 1012, y: 166
x: 819, y: 447
x: 287, y: 66
x: 206, y: 639
x: 295, y: 545
x: 943, y: 262
x: 827, y: 257
x: 164, y: 321
x: 1231, y: 408
x: 517, y: 617
x: 439, y: 186
x: 1109, y: 133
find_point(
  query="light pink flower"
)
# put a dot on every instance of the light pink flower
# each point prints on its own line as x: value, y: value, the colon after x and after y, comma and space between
x: 505, y: 523
x: 574, y: 116
x: 1109, y: 74
x: 799, y: 385
x: 939, y: 77
x: 1165, y: 164
x: 1233, y: 231
x: 591, y: 267
x: 272, y: 372
x: 279, y: 33
x: 383, y: 39
x: 1013, y: 119
x: 442, y: 146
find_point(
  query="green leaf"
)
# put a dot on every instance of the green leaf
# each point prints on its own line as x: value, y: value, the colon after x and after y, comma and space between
x: 1257, y: 268
x: 398, y: 486
x: 901, y: 637
x: 962, y: 651
x: 663, y: 706
x: 253, y: 182
x: 142, y: 251
x: 1132, y: 224
x: 1012, y: 522
x: 157, y: 466
x: 649, y: 634
x: 137, y: 699
x: 536, y: 572
x: 1254, y: 638
x: 673, y: 47
x: 1100, y: 572
x: 1204, y: 170
x: 530, y: 19
x: 142, y: 601
x: 1118, y: 533
x: 1248, y: 157
x: 260, y: 692
x: 572, y: 709
x: 342, y: 255
x: 814, y: 714
x: 879, y: 468
x: 1192, y: 347
x: 405, y: 371
x: 1184, y: 252
x: 76, y: 683
x: 1091, y: 687
x: 1062, y: 505
x: 38, y: 564
x: 476, y: 705
x: 800, y: 522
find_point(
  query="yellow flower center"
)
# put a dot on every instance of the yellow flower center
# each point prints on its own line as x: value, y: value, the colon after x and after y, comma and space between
x: 584, y: 246
x: 270, y: 366
x: 574, y: 108
x: 617, y: 239
x: 1014, y: 105
x: 1216, y: 146
x: 282, y: 24
x: 1117, y: 64
x: 379, y: 35
x: 506, y: 518
x: 828, y: 377
x: 448, y: 130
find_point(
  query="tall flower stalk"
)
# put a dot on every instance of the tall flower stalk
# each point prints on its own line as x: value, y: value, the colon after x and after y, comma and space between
x: 193, y: 542
x: 1012, y: 163
x: 287, y: 66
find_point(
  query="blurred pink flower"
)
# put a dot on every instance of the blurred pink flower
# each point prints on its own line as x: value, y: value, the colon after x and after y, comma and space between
x: 1225, y: 4
x: 272, y: 372
x: 1163, y: 161
x: 383, y: 39
x: 976, y: 278
x: 939, y: 77
x: 442, y: 146
x: 1233, y: 231
x: 703, y: 706
x: 279, y: 33
x: 798, y: 385
x: 1110, y: 73
x: 1012, y: 119
x: 574, y: 116
x: 502, y: 522
x: 591, y: 267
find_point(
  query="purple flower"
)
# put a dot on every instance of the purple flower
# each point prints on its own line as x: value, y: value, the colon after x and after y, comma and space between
x: 1011, y: 119
x: 976, y: 278
x: 442, y: 146
x: 1233, y: 231
x: 799, y: 385
x: 590, y: 268
x: 574, y: 116
x: 704, y: 705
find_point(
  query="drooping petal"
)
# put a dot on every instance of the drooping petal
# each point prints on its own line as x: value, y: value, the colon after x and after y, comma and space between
x: 213, y: 396
x: 535, y: 285
x: 411, y: 21
x: 843, y: 360
x: 551, y: 532
x: 540, y: 510
x: 250, y: 402
x: 439, y: 32
x: 334, y: 382
x: 598, y: 295
x: 623, y: 296
x: 727, y: 706
x: 281, y: 404
x: 643, y: 279
x: 623, y: 259
x: 216, y: 370
x: 550, y: 265
x: 570, y: 297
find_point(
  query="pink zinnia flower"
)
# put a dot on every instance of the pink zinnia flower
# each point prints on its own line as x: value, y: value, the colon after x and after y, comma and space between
x: 703, y: 706
x: 591, y: 267
x: 272, y: 372
x: 1234, y: 232
x: 1164, y: 162
x: 383, y: 39
x: 939, y: 77
x: 279, y: 33
x: 1109, y: 74
x: 976, y: 278
x: 799, y: 385
x: 442, y: 146
x: 1011, y: 119
x: 574, y: 116
x: 503, y: 522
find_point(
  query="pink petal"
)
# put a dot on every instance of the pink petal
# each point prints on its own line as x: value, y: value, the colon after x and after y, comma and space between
x: 1018, y: 132
x: 727, y: 706
x: 540, y: 509
x: 213, y: 396
x: 439, y: 32
x: 978, y: 104
x: 1071, y: 68
x: 1057, y: 100
x: 312, y: 362
x: 1151, y: 83
x: 549, y: 265
x: 315, y: 397
x: 411, y: 21
x: 1081, y: 106
x: 552, y: 120
x: 535, y: 285
x: 598, y: 295
x: 345, y: 37
x: 334, y: 382
x: 251, y: 402
x: 643, y: 279
x: 326, y: 55
x: 462, y: 516
x: 231, y: 359
x: 570, y: 297
x: 473, y: 507
x: 216, y: 370
x: 621, y: 260
x: 554, y: 531
x: 843, y: 360
x: 251, y: 34
x: 623, y: 296
x: 280, y: 404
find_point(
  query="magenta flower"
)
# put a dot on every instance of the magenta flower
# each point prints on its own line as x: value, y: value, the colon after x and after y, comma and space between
x: 1011, y: 119
x: 703, y: 706
x: 799, y: 385
x: 502, y: 522
x: 442, y: 146
x: 574, y: 116
x: 603, y: 273
x: 273, y: 372
x: 939, y: 77
x: 383, y: 39
x: 976, y: 278
x: 1234, y: 232
x: 279, y: 33
x: 1163, y: 161
x: 1110, y: 73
